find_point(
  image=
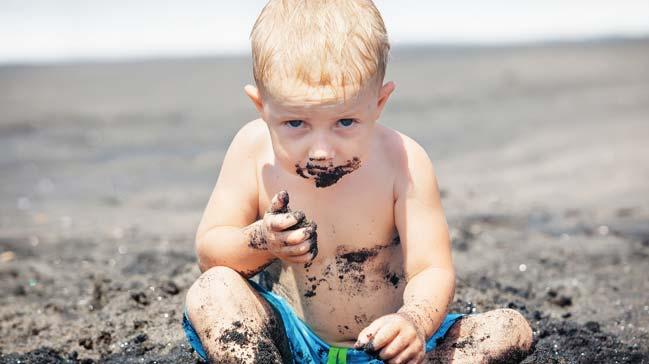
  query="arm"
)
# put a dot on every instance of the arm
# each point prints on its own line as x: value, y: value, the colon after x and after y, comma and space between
x: 427, y: 249
x: 223, y: 235
x: 230, y: 233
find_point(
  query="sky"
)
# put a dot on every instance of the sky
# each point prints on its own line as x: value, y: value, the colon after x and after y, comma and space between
x: 49, y: 30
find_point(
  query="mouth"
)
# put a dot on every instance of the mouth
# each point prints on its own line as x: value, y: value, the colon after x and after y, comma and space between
x: 326, y: 176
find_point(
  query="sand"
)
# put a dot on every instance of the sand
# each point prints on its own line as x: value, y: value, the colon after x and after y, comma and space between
x: 541, y: 152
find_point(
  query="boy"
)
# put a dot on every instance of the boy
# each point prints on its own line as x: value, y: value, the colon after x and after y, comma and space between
x: 349, y: 210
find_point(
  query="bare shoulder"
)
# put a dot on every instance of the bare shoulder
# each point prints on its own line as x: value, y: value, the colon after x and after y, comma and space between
x: 251, y: 136
x: 409, y: 160
x: 233, y: 201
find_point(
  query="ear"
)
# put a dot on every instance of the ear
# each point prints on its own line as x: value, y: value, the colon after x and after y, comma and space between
x: 255, y: 96
x: 384, y: 95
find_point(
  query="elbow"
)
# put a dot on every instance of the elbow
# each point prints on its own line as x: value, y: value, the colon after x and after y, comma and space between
x: 206, y: 253
x: 199, y: 248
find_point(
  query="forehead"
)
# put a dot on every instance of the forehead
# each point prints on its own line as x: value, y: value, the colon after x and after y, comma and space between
x: 296, y: 100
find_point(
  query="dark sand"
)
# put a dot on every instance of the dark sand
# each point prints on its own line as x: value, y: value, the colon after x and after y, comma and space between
x: 542, y: 155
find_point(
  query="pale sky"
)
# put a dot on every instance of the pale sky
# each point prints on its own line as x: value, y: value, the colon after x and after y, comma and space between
x: 48, y: 30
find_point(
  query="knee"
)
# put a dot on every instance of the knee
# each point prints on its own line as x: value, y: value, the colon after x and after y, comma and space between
x: 220, y: 274
x: 211, y: 285
x: 513, y: 322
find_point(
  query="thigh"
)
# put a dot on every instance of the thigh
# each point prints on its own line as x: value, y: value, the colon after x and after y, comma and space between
x: 223, y: 306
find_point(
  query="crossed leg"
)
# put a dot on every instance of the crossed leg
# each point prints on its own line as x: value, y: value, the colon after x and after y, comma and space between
x: 498, y: 336
x: 235, y: 324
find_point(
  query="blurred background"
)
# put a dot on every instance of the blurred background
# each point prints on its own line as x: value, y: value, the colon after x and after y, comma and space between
x: 115, y: 117
x: 44, y: 31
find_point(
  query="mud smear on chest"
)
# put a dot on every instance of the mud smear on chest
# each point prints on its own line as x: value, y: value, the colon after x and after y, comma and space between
x: 349, y: 270
x: 326, y: 176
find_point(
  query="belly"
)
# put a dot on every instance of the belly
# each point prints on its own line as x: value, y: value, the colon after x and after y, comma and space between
x: 345, y: 288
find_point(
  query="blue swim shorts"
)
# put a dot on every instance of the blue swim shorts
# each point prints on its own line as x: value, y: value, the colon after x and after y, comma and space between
x: 306, y: 346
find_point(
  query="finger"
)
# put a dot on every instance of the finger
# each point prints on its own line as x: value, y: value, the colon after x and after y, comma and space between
x: 420, y: 357
x: 293, y: 237
x: 313, y: 243
x: 405, y: 355
x: 283, y: 221
x: 385, y: 335
x: 279, y: 203
x: 395, y: 346
x: 367, y: 334
x: 296, y: 250
x: 304, y: 258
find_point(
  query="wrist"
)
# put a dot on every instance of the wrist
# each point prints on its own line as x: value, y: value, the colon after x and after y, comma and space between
x: 420, y: 319
x: 255, y: 237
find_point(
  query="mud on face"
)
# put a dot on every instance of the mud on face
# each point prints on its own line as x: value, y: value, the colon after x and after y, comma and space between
x: 326, y: 176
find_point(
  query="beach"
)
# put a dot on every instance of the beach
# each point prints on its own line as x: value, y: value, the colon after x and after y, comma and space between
x: 541, y: 153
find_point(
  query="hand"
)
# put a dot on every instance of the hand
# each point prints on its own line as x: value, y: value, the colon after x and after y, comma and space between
x: 394, y: 338
x: 285, y: 233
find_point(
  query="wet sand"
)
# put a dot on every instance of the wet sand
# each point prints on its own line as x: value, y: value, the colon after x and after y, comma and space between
x: 541, y: 152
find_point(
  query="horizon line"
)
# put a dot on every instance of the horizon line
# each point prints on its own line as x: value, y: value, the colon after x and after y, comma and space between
x: 242, y: 53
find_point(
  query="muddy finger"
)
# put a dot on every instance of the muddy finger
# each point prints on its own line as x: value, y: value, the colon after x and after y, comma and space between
x: 304, y: 258
x: 284, y: 221
x: 296, y: 250
x: 279, y: 203
x: 293, y: 237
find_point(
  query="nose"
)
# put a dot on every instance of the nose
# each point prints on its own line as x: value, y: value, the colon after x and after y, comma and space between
x: 321, y: 151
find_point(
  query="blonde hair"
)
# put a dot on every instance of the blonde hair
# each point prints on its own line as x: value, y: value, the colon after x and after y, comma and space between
x: 335, y: 44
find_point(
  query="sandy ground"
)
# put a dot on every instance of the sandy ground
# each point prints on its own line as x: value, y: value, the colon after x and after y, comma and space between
x: 542, y: 154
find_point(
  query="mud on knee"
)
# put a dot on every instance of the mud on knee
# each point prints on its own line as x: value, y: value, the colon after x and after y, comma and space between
x: 243, y: 341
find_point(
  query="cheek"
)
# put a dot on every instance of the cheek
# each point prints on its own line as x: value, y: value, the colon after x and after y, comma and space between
x: 283, y: 145
x: 358, y: 146
x: 287, y: 154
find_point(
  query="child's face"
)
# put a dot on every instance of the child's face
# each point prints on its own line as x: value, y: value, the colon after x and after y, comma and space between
x: 322, y: 140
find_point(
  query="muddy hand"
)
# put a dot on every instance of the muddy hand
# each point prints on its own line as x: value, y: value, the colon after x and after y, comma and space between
x: 393, y: 338
x: 288, y: 234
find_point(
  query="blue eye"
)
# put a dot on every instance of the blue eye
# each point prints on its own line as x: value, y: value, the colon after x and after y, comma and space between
x: 294, y: 123
x: 346, y: 122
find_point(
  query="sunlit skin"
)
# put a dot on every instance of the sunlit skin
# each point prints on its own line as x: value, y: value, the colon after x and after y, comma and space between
x: 391, y: 191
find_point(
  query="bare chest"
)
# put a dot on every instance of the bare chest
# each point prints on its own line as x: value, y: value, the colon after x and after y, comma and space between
x: 356, y: 211
x: 358, y: 273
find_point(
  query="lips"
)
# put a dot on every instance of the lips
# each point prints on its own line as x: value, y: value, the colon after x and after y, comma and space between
x: 310, y: 166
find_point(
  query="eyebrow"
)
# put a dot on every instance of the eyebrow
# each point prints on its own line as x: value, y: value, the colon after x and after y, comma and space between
x: 298, y: 117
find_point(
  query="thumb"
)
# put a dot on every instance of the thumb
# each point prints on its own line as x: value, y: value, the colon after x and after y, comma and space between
x: 279, y: 203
